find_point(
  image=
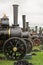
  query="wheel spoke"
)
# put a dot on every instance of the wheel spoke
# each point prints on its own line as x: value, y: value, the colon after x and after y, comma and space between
x: 15, y: 55
x: 11, y: 44
x: 17, y: 43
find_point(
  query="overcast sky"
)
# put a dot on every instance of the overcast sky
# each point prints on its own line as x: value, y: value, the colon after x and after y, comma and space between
x: 33, y: 9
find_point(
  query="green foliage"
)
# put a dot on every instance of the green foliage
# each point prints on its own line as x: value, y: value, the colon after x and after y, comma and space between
x: 41, y: 47
x: 36, y: 47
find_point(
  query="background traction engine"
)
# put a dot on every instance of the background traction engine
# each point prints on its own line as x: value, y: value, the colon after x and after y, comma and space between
x: 13, y: 40
x: 36, y: 40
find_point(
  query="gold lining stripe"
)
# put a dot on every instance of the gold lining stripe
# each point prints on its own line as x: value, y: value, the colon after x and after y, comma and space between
x: 9, y: 32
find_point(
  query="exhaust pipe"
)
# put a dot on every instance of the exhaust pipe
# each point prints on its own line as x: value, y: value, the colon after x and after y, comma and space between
x: 36, y: 28
x: 24, y: 22
x: 27, y: 26
x: 15, y: 14
x: 40, y: 30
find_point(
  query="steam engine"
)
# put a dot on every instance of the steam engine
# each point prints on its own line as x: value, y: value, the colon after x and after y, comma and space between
x: 14, y: 41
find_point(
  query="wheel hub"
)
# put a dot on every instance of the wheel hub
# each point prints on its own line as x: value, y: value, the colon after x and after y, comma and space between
x: 14, y: 49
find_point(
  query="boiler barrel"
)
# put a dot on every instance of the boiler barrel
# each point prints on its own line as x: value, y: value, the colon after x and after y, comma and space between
x: 15, y: 32
x: 25, y: 34
x: 12, y: 32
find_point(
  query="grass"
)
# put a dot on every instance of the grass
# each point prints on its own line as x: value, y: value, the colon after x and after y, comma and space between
x: 6, y: 62
x: 36, y: 60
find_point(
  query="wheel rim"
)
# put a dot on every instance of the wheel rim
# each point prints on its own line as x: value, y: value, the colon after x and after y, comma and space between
x: 15, y: 48
x: 29, y: 45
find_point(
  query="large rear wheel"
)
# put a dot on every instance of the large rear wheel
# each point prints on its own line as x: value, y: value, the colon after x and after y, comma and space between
x: 14, y: 48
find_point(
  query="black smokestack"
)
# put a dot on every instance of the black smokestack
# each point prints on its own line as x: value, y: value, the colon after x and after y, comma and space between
x: 36, y: 29
x: 40, y: 30
x: 24, y: 21
x: 27, y: 25
x: 15, y: 14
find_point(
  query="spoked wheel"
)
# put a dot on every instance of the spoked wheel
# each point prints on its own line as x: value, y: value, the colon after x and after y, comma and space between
x: 14, y: 48
x: 36, y: 42
x: 29, y: 45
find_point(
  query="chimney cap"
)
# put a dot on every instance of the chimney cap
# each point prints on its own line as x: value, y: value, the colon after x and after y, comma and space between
x: 15, y: 5
x: 23, y: 15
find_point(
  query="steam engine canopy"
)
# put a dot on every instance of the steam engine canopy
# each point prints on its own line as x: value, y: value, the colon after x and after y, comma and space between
x: 5, y: 20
